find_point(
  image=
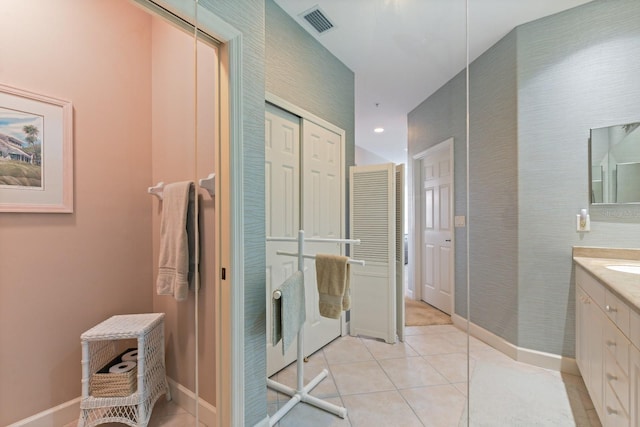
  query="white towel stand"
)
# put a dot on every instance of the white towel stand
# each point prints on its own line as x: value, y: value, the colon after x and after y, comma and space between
x: 301, y: 393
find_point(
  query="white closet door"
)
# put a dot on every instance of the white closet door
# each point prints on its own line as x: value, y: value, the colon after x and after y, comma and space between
x: 400, y: 251
x: 282, y: 205
x: 322, y: 199
x: 373, y: 216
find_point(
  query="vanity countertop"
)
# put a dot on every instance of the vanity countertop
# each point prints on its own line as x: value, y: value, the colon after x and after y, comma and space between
x: 624, y: 285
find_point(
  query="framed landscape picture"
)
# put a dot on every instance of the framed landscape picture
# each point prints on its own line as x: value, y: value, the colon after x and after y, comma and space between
x: 36, y: 152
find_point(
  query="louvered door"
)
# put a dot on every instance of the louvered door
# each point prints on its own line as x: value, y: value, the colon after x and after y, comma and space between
x: 400, y: 255
x: 373, y: 221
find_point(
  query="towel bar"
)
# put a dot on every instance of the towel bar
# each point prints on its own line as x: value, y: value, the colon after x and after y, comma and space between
x: 207, y: 184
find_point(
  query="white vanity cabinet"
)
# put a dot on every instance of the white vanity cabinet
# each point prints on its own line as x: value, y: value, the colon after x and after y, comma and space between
x: 634, y: 369
x: 590, y: 322
x: 608, y: 362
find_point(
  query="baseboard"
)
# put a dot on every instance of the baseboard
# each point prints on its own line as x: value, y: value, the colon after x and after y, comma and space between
x: 185, y: 398
x: 532, y: 357
x: 53, y: 417
x: 69, y: 411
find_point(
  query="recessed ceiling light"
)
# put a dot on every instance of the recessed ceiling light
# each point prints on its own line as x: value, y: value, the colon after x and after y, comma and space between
x: 378, y: 130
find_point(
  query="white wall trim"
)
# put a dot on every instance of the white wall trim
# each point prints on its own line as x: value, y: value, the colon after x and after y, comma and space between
x: 541, y: 359
x: 237, y: 231
x: 57, y: 416
x: 186, y: 399
x: 409, y: 293
x: 301, y: 112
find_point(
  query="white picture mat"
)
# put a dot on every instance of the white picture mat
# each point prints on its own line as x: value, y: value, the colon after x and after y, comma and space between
x: 56, y: 193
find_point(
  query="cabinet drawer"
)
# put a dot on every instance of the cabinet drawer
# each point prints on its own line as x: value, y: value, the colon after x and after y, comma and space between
x: 614, y: 413
x: 618, y: 346
x: 634, y: 328
x: 617, y: 311
x: 591, y: 286
x: 617, y: 380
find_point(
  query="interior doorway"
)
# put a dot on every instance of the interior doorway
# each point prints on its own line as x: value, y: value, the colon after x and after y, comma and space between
x: 433, y: 226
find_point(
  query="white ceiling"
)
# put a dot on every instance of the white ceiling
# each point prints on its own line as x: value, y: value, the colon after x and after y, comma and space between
x: 402, y: 51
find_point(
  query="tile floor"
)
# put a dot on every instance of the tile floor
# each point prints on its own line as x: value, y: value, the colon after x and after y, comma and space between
x: 421, y: 382
x: 165, y: 414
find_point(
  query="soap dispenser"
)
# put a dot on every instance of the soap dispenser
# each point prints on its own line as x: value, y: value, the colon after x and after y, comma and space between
x: 583, y: 221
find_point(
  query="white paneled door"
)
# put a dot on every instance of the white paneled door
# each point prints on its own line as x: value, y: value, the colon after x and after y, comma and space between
x: 436, y: 227
x: 304, y: 188
x: 322, y: 184
x: 282, y: 212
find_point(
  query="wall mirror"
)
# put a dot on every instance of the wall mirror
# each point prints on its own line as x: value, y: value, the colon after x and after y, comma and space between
x: 614, y: 153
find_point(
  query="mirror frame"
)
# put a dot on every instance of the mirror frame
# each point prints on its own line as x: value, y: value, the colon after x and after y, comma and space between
x: 609, y: 212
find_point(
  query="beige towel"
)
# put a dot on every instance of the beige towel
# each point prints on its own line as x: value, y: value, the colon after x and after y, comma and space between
x: 332, y: 274
x: 176, y: 239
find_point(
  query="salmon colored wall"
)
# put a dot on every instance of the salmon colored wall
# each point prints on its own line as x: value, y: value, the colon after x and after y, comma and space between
x: 60, y: 274
x: 174, y: 159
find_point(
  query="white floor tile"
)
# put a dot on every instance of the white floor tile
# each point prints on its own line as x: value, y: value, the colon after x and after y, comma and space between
x: 380, y: 409
x: 412, y: 372
x: 381, y: 350
x: 436, y: 406
x: 345, y: 350
x: 452, y: 366
x: 435, y: 344
x: 360, y: 377
x: 422, y: 382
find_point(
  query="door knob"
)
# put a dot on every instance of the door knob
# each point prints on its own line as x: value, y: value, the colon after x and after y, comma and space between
x: 448, y: 240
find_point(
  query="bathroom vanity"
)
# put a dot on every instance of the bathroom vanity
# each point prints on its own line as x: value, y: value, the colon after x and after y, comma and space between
x: 608, y: 331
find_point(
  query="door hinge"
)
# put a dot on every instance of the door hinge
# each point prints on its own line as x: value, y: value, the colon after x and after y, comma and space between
x: 223, y: 274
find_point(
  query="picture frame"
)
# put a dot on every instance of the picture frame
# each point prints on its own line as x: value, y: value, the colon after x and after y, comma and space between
x: 36, y: 152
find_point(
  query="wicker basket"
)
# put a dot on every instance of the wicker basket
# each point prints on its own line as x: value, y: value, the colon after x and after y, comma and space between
x: 108, y: 384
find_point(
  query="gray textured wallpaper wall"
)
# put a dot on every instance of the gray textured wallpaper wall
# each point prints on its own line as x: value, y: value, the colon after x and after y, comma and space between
x: 493, y: 190
x: 297, y: 68
x: 303, y: 72
x: 533, y: 98
x: 576, y: 70
x: 248, y: 17
x: 435, y: 120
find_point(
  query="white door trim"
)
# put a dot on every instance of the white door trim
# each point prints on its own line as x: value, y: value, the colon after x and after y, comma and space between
x: 300, y: 112
x: 415, y: 254
x: 230, y: 355
x: 285, y: 105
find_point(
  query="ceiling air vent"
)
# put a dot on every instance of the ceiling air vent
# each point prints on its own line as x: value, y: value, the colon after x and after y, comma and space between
x: 317, y: 19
